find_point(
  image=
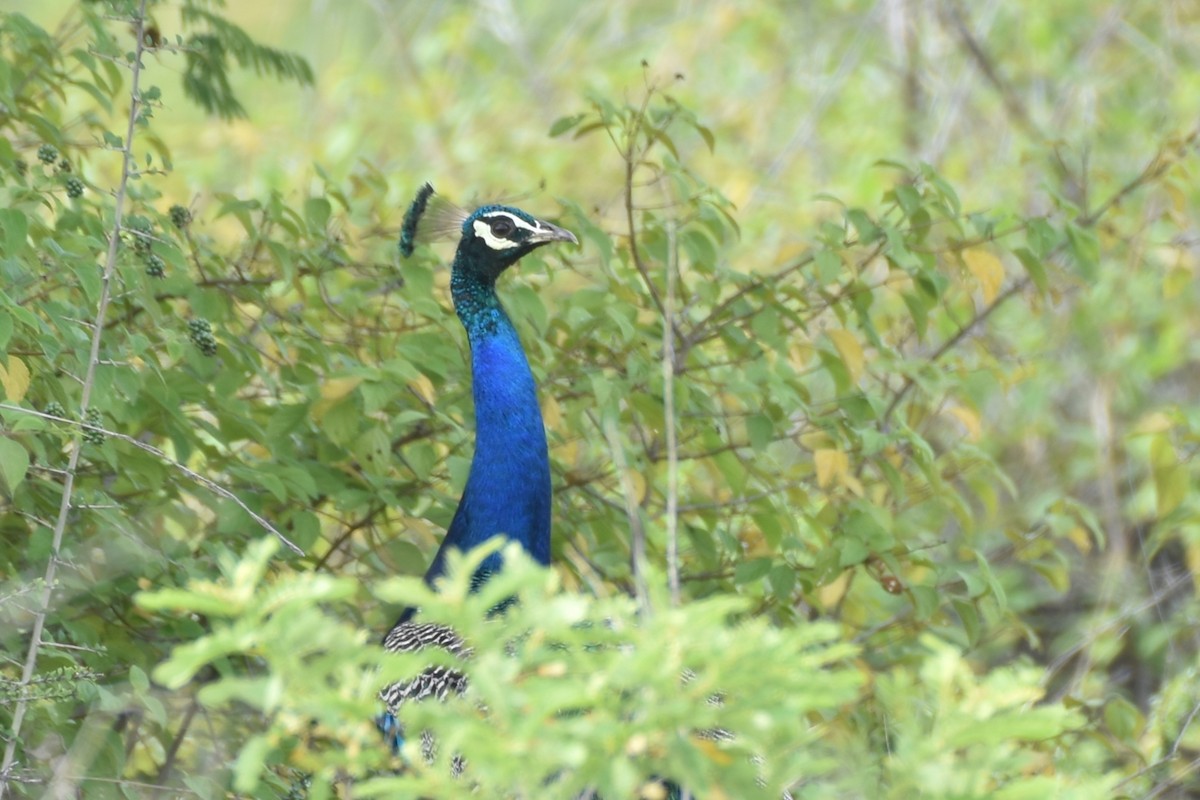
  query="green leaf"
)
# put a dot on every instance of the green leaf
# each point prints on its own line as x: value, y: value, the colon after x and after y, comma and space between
x: 1033, y: 266
x: 783, y: 581
x: 752, y: 570
x: 16, y: 231
x: 867, y: 230
x: 564, y: 124
x: 1032, y: 724
x: 316, y: 214
x: 828, y: 266
x: 249, y: 765
x: 14, y: 463
x: 759, y: 429
x: 138, y: 679
x: 1085, y: 248
x: 1123, y: 719
x: 970, y: 620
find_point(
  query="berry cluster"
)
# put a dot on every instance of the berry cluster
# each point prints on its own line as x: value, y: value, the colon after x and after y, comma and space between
x: 47, y: 154
x: 180, y: 216
x: 55, y: 409
x: 93, y: 417
x: 74, y: 187
x: 200, y: 331
x: 140, y: 230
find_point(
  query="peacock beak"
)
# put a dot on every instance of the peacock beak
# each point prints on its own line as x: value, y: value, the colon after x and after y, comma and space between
x: 551, y: 233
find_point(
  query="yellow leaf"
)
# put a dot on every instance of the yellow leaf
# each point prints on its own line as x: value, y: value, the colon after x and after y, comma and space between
x: 714, y: 753
x: 1080, y: 537
x: 423, y: 387
x: 15, y: 379
x: 800, y: 354
x: 1178, y: 280
x: 814, y: 440
x: 969, y: 419
x: 831, y: 593
x: 332, y: 391
x: 1192, y: 557
x: 257, y: 450
x: 637, y: 485
x: 1154, y: 422
x: 337, y: 388
x: 567, y: 452
x: 831, y: 465
x: 1179, y: 199
x: 850, y: 350
x: 1170, y: 477
x: 551, y: 412
x: 987, y: 269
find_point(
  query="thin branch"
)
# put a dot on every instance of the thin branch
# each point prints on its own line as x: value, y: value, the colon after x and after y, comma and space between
x: 637, y: 544
x: 207, y: 483
x: 64, y: 509
x: 668, y: 377
x: 168, y: 764
x: 961, y: 334
x: 1158, y: 166
x: 991, y: 72
x: 632, y: 160
x: 631, y: 163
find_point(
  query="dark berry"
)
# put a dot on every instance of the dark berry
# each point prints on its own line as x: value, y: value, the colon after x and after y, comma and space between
x: 64, y: 165
x: 155, y: 266
x: 180, y: 216
x: 47, y: 154
x: 140, y: 230
x: 95, y: 418
x: 201, y: 334
x: 74, y: 187
x: 196, y: 326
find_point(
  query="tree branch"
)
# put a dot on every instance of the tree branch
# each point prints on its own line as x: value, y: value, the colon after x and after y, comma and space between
x: 64, y: 509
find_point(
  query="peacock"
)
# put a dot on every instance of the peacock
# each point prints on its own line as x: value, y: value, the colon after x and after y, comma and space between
x: 508, y: 487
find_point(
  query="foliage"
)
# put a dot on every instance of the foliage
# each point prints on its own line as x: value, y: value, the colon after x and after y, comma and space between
x: 902, y: 481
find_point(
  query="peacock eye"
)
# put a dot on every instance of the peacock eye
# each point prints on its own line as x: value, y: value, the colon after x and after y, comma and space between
x: 501, y: 227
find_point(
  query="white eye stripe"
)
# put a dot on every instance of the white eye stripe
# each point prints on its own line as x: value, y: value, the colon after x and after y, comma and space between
x: 484, y: 231
x: 516, y: 221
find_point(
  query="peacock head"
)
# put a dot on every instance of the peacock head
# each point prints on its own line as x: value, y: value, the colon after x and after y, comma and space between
x: 490, y: 239
x: 496, y: 237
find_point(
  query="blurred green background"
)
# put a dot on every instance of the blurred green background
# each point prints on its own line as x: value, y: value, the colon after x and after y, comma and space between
x: 936, y: 397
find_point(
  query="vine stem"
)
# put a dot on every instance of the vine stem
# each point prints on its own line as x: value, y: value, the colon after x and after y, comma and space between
x: 89, y: 378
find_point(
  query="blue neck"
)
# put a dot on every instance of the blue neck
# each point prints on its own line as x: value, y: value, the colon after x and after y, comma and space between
x: 508, y: 489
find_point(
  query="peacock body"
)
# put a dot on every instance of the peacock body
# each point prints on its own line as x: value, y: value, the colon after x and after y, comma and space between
x: 508, y: 487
